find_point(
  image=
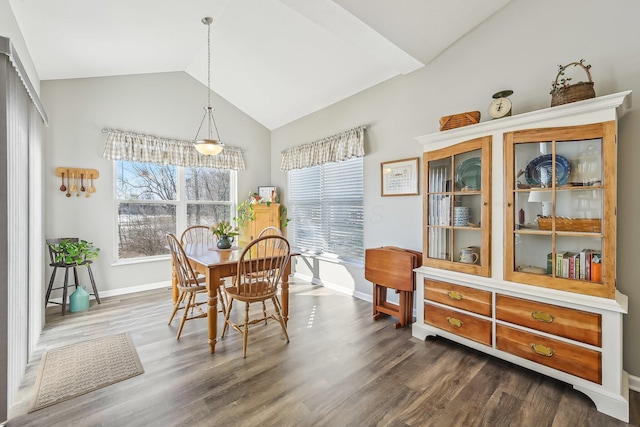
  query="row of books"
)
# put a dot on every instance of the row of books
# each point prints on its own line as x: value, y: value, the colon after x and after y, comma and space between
x: 584, y: 265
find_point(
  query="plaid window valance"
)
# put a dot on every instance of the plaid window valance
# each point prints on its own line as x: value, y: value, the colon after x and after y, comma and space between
x: 121, y: 145
x: 343, y: 146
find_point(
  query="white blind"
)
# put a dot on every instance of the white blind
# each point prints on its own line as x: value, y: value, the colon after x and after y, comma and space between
x: 325, y: 206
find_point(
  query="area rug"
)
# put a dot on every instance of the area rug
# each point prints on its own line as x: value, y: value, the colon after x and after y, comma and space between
x: 76, y: 369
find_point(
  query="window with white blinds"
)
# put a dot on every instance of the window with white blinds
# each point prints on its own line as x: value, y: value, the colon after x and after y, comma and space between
x: 325, y: 208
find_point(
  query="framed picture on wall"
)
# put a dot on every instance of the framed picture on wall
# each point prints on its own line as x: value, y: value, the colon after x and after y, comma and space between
x: 399, y: 177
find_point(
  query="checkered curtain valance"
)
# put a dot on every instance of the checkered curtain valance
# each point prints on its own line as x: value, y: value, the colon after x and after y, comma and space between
x: 122, y: 145
x: 343, y: 146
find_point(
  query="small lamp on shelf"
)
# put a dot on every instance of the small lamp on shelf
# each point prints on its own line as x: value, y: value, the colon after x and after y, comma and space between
x: 543, y: 197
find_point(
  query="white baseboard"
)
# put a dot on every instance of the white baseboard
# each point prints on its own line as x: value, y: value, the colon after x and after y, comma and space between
x: 634, y: 383
x: 334, y: 287
x: 134, y: 289
x: 121, y: 291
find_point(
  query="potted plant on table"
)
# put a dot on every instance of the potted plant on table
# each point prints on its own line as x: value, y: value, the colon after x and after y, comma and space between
x: 79, y: 253
x: 225, y: 233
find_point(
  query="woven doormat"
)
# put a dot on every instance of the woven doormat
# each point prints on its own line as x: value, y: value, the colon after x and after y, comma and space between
x: 76, y: 369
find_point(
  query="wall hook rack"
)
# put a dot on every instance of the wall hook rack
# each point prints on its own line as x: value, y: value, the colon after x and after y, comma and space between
x: 77, y: 180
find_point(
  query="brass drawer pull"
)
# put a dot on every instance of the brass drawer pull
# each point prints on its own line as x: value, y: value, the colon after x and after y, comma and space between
x: 455, y: 322
x: 454, y: 295
x: 541, y: 316
x: 542, y: 350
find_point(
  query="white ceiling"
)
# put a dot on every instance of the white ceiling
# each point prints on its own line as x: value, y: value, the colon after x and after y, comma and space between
x: 276, y: 60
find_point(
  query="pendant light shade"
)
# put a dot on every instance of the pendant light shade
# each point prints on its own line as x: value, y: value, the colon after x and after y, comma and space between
x: 211, y: 145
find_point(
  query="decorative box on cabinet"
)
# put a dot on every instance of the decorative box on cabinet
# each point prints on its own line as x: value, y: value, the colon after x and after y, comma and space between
x: 566, y: 327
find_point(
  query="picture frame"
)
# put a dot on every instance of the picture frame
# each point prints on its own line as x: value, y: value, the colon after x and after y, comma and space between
x: 265, y: 192
x: 399, y: 177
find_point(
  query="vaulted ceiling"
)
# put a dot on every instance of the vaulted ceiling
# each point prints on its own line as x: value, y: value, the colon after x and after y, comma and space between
x: 276, y: 60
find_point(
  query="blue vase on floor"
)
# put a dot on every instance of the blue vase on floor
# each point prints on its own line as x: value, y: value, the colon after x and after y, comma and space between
x: 79, y: 300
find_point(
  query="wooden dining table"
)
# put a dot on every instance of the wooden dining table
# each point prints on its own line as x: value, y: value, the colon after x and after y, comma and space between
x: 215, y: 264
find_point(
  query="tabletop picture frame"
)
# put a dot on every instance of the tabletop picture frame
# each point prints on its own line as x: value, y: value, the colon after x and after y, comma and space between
x: 399, y: 177
x: 265, y: 192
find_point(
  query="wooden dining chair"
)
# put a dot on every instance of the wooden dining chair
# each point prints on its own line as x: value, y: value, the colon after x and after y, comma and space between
x: 189, y: 285
x: 198, y: 234
x: 202, y: 234
x: 258, y: 273
x: 270, y: 231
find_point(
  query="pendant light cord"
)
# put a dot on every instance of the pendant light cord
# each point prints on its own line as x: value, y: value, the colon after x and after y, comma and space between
x: 208, y: 115
x: 209, y: 65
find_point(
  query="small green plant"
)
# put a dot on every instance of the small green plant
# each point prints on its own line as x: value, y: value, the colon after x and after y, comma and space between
x: 245, y: 211
x: 284, y: 219
x: 71, y: 252
x: 224, y: 228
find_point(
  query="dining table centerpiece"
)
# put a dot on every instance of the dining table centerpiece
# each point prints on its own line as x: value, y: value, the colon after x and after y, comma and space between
x: 225, y: 233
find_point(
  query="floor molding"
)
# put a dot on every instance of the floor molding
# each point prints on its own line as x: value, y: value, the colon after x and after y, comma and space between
x: 121, y: 291
x: 634, y: 383
x: 334, y: 287
x: 134, y: 289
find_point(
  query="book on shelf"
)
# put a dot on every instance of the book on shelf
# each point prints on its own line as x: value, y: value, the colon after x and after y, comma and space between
x: 596, y: 267
x: 550, y: 263
x: 560, y: 256
x: 574, y: 259
x: 585, y: 263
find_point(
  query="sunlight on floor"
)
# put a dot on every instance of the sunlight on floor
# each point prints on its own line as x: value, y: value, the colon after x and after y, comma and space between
x: 311, y: 317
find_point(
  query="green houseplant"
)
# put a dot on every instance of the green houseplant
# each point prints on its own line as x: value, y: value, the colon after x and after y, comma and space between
x: 225, y: 232
x: 72, y: 252
x: 224, y: 228
x: 245, y: 211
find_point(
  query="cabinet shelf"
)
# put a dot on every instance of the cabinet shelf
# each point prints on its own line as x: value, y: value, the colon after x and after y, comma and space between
x: 448, y: 239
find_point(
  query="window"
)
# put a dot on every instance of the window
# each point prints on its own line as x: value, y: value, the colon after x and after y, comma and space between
x: 153, y: 200
x: 326, y: 210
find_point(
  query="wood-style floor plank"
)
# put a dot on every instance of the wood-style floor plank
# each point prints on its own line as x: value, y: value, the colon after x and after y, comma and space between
x: 341, y: 368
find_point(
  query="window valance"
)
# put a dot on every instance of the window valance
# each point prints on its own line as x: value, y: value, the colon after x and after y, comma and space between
x: 121, y: 145
x: 336, y: 148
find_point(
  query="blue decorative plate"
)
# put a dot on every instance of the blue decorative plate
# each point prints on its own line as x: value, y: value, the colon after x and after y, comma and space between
x: 539, y: 172
x: 469, y: 174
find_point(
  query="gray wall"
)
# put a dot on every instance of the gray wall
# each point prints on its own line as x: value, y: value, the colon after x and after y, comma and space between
x: 164, y: 104
x: 9, y: 28
x: 519, y: 48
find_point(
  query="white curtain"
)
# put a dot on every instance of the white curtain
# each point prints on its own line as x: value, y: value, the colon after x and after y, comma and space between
x: 121, y: 145
x: 337, y: 148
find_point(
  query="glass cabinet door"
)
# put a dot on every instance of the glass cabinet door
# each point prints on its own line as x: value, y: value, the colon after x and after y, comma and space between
x: 559, y: 196
x: 457, y: 207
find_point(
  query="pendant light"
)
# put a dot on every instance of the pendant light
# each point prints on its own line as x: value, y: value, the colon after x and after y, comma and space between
x: 211, y: 145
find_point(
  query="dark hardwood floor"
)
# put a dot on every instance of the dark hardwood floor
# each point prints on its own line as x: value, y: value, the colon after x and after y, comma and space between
x: 341, y: 368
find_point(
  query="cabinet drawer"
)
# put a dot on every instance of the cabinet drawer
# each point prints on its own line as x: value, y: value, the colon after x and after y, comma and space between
x: 565, y: 322
x: 458, y: 296
x: 569, y: 358
x: 465, y: 325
